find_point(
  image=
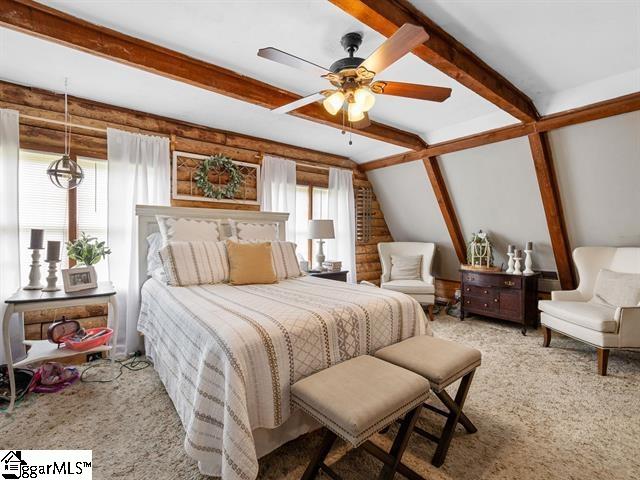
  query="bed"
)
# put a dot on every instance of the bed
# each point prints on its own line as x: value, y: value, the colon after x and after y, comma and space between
x: 228, y: 355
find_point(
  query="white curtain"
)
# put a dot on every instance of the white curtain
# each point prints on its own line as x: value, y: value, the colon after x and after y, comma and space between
x: 138, y: 174
x: 279, y: 189
x: 9, y: 232
x: 342, y: 211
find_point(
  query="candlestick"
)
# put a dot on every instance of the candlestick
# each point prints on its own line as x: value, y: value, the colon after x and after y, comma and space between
x: 510, y: 263
x: 34, y: 273
x: 37, y: 238
x: 529, y: 246
x: 510, y: 249
x: 528, y: 261
x: 53, y: 251
x: 517, y: 257
x: 52, y: 278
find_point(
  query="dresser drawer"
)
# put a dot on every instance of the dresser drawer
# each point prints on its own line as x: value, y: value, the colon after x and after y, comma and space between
x: 491, y: 280
x: 481, y: 304
x: 479, y: 291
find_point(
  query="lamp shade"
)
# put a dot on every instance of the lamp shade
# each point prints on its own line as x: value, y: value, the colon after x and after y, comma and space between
x: 321, y: 229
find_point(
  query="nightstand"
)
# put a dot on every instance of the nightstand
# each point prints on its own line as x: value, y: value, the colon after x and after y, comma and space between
x: 340, y: 276
x: 43, y: 350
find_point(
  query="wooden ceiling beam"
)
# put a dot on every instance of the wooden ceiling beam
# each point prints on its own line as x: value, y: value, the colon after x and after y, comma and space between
x: 446, y: 207
x: 595, y: 111
x: 548, y: 183
x: 443, y: 52
x: 49, y: 24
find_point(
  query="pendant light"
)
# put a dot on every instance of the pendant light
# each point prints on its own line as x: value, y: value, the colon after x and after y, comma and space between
x: 333, y: 103
x: 65, y: 173
x: 354, y: 112
x: 364, y: 98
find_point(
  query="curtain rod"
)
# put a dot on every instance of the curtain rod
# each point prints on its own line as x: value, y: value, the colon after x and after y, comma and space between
x: 104, y: 130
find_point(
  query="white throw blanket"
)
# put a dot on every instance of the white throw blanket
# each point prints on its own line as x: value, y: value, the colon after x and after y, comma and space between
x: 228, y: 355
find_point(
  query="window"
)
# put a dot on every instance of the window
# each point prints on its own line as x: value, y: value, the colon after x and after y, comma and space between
x: 311, y: 203
x: 43, y: 205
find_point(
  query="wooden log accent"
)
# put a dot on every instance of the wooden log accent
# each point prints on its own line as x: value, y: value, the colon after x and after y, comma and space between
x: 443, y: 52
x: 596, y: 111
x: 446, y: 207
x: 552, y: 204
x: 44, y: 22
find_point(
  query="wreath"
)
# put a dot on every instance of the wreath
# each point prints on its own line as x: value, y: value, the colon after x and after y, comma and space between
x: 222, y: 164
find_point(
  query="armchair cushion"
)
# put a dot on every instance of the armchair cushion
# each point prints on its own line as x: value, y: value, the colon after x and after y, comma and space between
x: 617, y: 289
x: 409, y: 286
x: 597, y: 317
x: 406, y: 267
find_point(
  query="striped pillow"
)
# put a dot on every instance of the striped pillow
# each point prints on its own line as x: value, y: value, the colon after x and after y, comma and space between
x: 285, y: 260
x: 195, y: 262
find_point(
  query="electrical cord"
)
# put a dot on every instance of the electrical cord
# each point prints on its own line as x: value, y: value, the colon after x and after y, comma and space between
x: 133, y: 364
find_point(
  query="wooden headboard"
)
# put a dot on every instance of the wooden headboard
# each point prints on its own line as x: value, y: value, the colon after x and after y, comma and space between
x: 147, y: 224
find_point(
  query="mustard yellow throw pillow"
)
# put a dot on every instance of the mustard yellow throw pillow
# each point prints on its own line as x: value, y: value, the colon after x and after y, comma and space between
x: 250, y: 263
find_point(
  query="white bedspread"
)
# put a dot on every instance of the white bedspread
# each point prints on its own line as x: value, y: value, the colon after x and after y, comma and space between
x: 228, y: 355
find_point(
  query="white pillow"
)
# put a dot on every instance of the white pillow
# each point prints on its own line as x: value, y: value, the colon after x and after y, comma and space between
x: 195, y: 262
x: 617, y: 289
x: 267, y: 231
x: 406, y: 267
x: 186, y: 229
x: 285, y: 260
x: 154, y: 244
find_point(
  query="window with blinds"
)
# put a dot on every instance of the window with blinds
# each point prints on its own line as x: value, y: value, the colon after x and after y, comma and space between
x: 311, y: 203
x: 92, y: 205
x: 43, y: 205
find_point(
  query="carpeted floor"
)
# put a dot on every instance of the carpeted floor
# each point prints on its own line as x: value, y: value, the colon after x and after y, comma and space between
x: 541, y: 414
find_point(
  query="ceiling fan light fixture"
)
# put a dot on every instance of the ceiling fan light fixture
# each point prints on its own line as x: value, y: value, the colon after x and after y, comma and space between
x: 364, y: 98
x: 354, y: 112
x: 333, y: 103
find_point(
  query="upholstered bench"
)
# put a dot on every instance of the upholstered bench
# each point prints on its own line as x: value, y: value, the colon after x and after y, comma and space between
x: 441, y: 362
x: 357, y: 398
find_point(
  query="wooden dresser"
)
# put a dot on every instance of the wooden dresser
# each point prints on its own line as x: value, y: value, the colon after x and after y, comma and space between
x: 501, y: 295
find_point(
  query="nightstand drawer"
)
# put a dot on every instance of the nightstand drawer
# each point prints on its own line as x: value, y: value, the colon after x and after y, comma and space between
x: 478, y: 291
x: 482, y: 304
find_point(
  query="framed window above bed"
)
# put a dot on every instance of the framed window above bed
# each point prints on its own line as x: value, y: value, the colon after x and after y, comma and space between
x: 63, y: 214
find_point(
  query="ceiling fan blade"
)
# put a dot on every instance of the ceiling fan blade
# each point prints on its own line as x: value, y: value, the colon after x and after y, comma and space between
x: 299, y: 103
x: 406, y: 38
x: 285, y: 58
x: 364, y: 123
x: 411, y: 90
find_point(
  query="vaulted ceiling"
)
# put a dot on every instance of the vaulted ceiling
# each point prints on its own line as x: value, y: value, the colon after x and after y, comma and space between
x: 600, y: 43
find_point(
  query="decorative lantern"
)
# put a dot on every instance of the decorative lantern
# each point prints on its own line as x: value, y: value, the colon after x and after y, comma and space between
x: 479, y: 251
x: 65, y: 172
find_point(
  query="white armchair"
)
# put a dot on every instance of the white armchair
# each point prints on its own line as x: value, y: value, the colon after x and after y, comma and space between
x: 605, y: 327
x: 422, y: 289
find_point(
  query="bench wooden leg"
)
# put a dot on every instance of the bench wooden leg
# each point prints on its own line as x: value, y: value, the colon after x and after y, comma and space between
x: 317, y: 461
x: 547, y: 336
x: 399, y: 445
x: 603, y: 361
x: 453, y: 419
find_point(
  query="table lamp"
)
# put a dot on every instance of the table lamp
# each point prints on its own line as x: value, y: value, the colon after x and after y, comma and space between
x: 320, y: 230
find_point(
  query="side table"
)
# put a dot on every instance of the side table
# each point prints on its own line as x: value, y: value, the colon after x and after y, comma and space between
x: 43, y: 350
x: 340, y: 276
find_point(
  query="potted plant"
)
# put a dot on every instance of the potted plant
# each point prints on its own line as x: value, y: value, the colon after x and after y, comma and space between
x: 87, y: 251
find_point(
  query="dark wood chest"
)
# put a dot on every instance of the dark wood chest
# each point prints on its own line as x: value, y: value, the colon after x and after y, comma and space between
x: 500, y: 295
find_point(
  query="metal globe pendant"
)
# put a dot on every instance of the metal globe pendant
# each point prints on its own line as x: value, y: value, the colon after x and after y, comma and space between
x: 65, y: 173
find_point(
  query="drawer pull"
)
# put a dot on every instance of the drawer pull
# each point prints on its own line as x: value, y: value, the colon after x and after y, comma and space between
x: 468, y: 289
x: 509, y: 283
x: 495, y: 300
x: 486, y: 305
x: 485, y: 292
x: 468, y: 302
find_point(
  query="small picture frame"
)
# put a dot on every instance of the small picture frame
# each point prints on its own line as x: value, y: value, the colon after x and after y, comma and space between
x: 79, y: 278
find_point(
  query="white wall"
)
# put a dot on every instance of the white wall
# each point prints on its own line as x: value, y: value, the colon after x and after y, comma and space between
x: 598, y: 170
x: 412, y: 213
x: 494, y: 188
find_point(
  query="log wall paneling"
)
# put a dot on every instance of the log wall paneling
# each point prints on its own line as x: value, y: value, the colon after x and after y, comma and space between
x: 56, y: 26
x: 446, y: 207
x: 547, y: 181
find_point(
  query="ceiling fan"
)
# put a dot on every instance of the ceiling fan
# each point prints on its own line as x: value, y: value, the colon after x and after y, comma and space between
x: 353, y: 77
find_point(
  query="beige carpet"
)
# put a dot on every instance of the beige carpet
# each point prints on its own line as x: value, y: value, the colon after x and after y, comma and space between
x: 541, y: 414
